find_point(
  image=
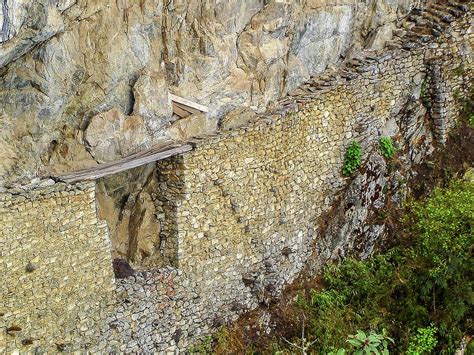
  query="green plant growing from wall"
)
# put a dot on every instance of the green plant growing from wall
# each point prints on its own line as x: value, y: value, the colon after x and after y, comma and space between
x: 203, y: 347
x: 424, y: 341
x: 459, y: 71
x: 424, y: 95
x: 353, y: 159
x: 386, y: 147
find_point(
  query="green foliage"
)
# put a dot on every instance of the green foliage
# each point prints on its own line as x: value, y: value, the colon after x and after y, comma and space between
x: 386, y: 147
x: 444, y: 225
x: 424, y: 341
x: 470, y: 120
x: 409, y: 287
x: 353, y: 159
x: 203, y: 347
x: 366, y: 344
x: 459, y: 71
x: 424, y: 94
x: 370, y: 344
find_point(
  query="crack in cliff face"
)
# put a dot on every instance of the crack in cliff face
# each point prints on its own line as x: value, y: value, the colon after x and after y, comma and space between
x: 7, y: 22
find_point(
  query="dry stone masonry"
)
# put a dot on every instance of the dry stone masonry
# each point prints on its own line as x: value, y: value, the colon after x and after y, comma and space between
x: 57, y: 280
x: 240, y: 215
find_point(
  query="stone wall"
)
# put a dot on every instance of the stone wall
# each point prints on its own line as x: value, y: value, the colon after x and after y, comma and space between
x: 239, y: 213
x: 240, y: 209
x: 239, y: 216
x: 56, y: 282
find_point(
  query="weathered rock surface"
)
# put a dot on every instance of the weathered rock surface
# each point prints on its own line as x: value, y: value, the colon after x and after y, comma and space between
x: 192, y: 126
x: 125, y: 202
x: 152, y: 101
x: 64, y: 61
x: 111, y: 135
x: 237, y: 118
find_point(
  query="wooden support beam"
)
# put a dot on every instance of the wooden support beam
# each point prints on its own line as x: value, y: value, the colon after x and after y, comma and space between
x: 186, y: 108
x: 178, y: 110
x: 133, y: 161
x: 186, y: 102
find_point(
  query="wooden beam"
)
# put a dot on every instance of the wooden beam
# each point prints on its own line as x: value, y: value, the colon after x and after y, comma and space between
x: 127, y: 163
x: 186, y: 102
x: 186, y: 108
x: 180, y: 112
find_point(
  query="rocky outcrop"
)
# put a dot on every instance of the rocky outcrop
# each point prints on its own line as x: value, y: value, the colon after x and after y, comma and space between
x: 64, y: 61
x: 190, y: 127
x: 111, y: 135
x: 152, y: 101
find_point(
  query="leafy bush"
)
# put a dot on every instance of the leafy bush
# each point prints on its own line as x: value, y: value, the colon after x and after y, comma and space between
x: 407, y: 288
x: 370, y: 344
x: 367, y: 344
x: 386, y: 147
x: 353, y: 159
x: 424, y: 341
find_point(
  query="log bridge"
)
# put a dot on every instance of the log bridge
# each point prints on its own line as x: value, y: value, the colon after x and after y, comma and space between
x: 132, y: 161
x: 181, y: 107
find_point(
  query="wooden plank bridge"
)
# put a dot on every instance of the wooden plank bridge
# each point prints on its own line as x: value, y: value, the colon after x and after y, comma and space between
x: 132, y: 161
x: 181, y: 107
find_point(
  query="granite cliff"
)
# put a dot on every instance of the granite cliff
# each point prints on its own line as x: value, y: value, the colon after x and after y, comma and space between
x: 63, y: 62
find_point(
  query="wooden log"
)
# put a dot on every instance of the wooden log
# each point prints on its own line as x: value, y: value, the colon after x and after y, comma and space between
x: 180, y: 112
x: 127, y: 163
x: 186, y: 108
x: 186, y: 102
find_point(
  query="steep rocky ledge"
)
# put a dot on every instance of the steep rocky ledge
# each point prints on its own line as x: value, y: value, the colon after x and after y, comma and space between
x: 64, y: 61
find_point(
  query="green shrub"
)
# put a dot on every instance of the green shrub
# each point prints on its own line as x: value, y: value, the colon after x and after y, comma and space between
x: 353, y: 159
x: 424, y: 341
x: 386, y: 147
x: 370, y: 344
x: 428, y: 281
x: 366, y: 344
x: 205, y: 346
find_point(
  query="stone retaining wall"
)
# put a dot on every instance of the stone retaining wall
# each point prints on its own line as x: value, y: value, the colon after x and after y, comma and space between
x: 244, y: 204
x: 239, y: 214
x: 56, y: 282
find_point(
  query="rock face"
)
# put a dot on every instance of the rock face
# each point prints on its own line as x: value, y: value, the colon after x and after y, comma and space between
x: 193, y: 126
x: 64, y: 61
x: 152, y: 101
x: 111, y: 135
